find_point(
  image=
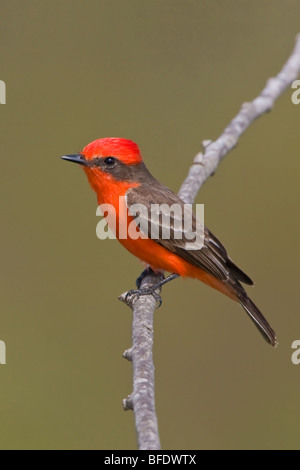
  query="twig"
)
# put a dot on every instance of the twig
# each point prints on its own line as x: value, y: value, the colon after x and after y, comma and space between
x: 204, y: 165
x: 142, y: 398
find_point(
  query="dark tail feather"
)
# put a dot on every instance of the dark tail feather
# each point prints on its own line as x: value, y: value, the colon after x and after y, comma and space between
x: 238, y: 273
x: 257, y: 318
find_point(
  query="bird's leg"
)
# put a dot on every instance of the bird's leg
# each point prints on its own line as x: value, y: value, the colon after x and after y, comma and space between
x: 147, y: 272
x: 151, y: 290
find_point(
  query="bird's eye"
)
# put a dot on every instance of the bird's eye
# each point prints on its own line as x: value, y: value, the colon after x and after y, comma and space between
x: 109, y: 161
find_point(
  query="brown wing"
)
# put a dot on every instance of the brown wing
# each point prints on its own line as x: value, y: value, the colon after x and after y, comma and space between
x: 212, y: 257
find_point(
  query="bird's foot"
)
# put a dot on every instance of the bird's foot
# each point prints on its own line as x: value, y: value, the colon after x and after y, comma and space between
x: 146, y: 291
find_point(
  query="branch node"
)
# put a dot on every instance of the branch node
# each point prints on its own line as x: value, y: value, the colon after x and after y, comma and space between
x: 127, y: 403
x: 206, y: 143
x: 199, y: 159
x: 128, y: 299
x: 128, y: 354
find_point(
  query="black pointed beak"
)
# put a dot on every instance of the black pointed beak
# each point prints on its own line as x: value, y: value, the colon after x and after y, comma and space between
x: 77, y: 158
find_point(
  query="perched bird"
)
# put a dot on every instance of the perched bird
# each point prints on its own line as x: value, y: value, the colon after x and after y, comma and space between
x: 116, y: 171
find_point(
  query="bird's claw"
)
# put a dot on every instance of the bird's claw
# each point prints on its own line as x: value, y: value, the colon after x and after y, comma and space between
x: 145, y: 291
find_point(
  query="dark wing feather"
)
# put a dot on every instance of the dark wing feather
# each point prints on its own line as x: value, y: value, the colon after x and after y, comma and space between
x: 212, y: 257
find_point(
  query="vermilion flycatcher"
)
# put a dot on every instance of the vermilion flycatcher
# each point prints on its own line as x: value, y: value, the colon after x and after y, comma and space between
x: 115, y: 169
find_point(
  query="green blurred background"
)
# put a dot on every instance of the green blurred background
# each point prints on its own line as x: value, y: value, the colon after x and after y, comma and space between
x: 166, y: 74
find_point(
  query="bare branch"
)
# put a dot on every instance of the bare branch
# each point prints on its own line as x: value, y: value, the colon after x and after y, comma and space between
x: 204, y: 165
x: 142, y: 398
